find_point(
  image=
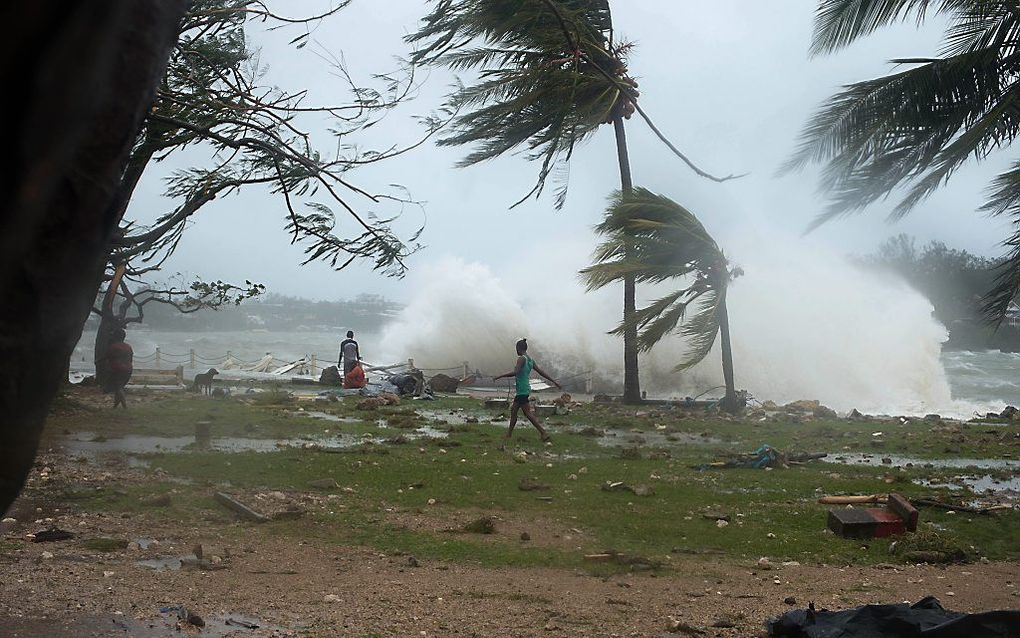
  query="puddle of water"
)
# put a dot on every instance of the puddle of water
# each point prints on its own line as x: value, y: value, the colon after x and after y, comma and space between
x: 328, y: 417
x: 876, y: 460
x: 86, y: 446
x: 652, y: 439
x: 978, y: 484
x: 166, y: 564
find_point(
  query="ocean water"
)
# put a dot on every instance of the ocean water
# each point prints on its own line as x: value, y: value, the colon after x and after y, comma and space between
x: 978, y: 381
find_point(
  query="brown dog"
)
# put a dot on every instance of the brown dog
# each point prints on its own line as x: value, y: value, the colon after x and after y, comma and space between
x: 203, y: 382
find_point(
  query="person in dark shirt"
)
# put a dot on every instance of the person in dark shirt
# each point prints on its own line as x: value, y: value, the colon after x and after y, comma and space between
x: 350, y: 355
x: 119, y: 362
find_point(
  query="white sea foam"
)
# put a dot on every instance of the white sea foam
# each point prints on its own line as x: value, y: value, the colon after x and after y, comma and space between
x: 805, y: 324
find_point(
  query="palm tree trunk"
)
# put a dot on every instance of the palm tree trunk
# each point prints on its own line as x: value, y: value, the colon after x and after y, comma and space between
x: 631, y: 382
x: 730, y: 401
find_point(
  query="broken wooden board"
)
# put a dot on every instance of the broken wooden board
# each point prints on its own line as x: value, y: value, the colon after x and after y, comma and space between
x: 239, y: 507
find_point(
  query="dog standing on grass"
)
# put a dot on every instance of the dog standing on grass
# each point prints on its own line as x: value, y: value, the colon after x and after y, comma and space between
x: 203, y: 382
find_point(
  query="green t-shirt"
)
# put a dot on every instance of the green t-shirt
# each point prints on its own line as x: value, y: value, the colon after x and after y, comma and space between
x: 522, y: 378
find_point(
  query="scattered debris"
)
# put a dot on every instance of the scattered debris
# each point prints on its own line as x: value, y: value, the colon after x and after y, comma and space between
x: 765, y: 456
x: 897, y: 518
x: 444, y: 383
x: 240, y: 508
x: 483, y: 525
x: 620, y: 486
x: 51, y: 535
x: 531, y: 484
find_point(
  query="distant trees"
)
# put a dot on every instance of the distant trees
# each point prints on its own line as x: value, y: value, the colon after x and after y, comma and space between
x: 652, y: 239
x: 914, y: 128
x: 550, y: 74
x: 954, y: 281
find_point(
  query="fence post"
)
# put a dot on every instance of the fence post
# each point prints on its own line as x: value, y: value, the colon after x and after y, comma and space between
x: 157, y: 358
x: 589, y: 383
x: 228, y: 357
x: 410, y: 362
x: 467, y: 370
x: 192, y: 353
x: 315, y: 364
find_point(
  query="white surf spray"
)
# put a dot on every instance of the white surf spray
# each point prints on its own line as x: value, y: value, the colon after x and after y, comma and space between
x: 805, y: 324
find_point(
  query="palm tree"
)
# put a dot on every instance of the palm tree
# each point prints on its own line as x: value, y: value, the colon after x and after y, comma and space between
x: 916, y: 127
x: 652, y: 239
x: 550, y: 73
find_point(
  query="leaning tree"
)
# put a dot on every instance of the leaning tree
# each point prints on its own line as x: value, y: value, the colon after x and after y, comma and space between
x: 913, y: 129
x: 79, y: 79
x: 550, y: 73
x: 652, y: 239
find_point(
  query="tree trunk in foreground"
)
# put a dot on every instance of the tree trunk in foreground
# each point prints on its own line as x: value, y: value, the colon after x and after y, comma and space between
x: 730, y: 402
x: 79, y: 77
x: 631, y: 381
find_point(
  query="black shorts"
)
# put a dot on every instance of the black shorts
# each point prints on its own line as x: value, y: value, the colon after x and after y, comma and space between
x: 522, y: 400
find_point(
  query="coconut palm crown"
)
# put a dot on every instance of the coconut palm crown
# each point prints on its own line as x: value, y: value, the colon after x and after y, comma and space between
x: 653, y: 239
x: 549, y: 75
x: 915, y: 128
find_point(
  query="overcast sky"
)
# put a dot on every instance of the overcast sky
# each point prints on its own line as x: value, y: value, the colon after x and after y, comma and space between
x: 729, y: 81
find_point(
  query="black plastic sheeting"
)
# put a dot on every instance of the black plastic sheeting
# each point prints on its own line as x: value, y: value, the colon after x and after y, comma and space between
x: 924, y: 619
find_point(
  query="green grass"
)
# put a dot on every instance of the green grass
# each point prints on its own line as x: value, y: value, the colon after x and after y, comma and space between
x: 772, y: 513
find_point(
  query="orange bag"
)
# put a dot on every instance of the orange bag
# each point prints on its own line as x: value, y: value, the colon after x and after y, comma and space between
x: 355, y: 378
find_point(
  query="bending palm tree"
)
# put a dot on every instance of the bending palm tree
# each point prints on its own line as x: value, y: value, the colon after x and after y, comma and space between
x: 652, y: 239
x: 918, y: 126
x: 550, y: 74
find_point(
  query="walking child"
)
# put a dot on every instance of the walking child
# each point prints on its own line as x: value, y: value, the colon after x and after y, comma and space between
x: 522, y: 400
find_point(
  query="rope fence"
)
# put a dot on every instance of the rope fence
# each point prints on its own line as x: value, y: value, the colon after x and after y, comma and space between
x: 311, y: 365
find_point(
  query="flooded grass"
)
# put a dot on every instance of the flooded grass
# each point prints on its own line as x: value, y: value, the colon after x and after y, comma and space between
x: 463, y: 476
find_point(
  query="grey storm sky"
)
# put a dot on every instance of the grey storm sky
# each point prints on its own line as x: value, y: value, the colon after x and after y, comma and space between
x: 729, y: 81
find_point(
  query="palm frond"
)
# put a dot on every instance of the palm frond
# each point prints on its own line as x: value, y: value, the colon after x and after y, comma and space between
x: 839, y: 23
x: 652, y: 239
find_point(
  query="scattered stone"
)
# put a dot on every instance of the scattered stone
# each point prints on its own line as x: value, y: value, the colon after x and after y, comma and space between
x: 675, y: 626
x: 725, y: 622
x: 715, y: 516
x: 531, y: 484
x: 525, y: 536
x: 521, y: 457
x: 483, y: 525
x: 790, y: 600
x: 330, y: 598
x: 721, y: 523
x: 46, y: 555
x: 205, y: 551
x: 412, y: 561
x: 444, y: 383
x: 764, y: 563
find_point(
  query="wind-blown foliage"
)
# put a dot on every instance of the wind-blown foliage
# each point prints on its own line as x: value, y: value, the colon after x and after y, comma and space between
x: 917, y: 127
x: 215, y: 98
x: 653, y: 239
x: 548, y: 75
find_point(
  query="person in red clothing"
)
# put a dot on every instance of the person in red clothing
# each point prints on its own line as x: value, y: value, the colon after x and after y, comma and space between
x: 355, y: 378
x: 119, y: 361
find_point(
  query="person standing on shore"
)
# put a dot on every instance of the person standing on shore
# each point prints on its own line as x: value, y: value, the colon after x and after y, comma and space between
x: 350, y: 355
x: 120, y: 364
x: 522, y: 400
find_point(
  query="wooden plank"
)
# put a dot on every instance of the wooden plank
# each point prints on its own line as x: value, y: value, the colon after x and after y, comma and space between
x: 239, y: 507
